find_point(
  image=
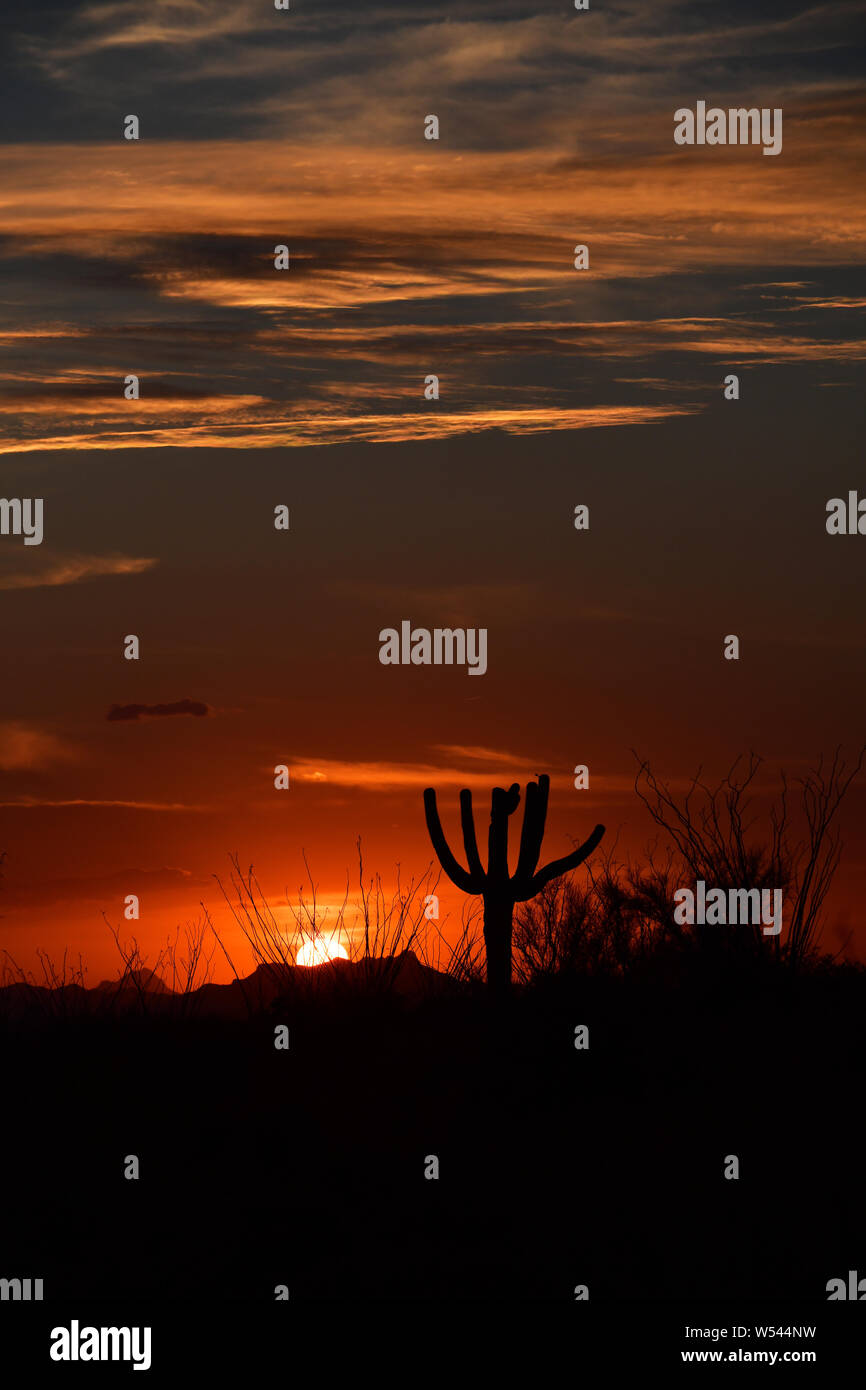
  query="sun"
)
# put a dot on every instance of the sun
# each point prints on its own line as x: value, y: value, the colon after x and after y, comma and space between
x: 319, y: 949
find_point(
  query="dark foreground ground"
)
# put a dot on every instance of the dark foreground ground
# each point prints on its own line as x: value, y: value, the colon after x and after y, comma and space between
x: 558, y: 1167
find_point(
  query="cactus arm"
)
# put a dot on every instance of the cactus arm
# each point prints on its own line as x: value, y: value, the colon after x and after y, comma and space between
x: 512, y: 799
x: 532, y: 833
x: 497, y: 840
x: 469, y: 840
x: 464, y: 880
x: 562, y: 866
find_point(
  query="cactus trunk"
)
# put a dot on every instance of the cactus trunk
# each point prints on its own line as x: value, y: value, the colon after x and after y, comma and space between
x: 497, y: 942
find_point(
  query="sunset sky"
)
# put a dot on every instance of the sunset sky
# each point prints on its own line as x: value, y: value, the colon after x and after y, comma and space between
x: 306, y: 388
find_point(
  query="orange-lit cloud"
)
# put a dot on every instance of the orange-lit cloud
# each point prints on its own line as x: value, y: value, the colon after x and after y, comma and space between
x: 722, y: 337
x: 108, y: 407
x: 74, y: 569
x: 23, y: 747
x: 500, y: 215
x: 394, y: 776
x: 340, y: 429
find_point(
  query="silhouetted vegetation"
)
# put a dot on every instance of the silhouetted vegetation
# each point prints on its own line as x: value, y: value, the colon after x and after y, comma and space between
x: 618, y: 920
x: 600, y: 1164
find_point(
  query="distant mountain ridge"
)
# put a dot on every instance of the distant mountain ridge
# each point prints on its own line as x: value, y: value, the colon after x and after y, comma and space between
x: 403, y: 975
x: 143, y: 979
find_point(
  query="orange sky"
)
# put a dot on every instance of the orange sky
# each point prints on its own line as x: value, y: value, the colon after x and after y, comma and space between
x: 305, y: 388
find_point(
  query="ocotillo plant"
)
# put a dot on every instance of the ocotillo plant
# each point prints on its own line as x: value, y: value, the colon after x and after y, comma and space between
x: 499, y: 889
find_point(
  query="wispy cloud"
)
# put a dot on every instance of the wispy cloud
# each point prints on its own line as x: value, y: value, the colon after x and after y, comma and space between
x: 476, y: 753
x: 91, y: 402
x: 320, y: 72
x: 174, y: 243
x: 387, y: 776
x: 24, y: 748
x: 37, y: 803
x: 473, y: 767
x: 168, y: 243
x: 101, y: 888
x: 74, y: 569
x: 302, y: 432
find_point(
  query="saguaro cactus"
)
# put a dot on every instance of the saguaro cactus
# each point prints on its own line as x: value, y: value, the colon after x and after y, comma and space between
x: 499, y: 889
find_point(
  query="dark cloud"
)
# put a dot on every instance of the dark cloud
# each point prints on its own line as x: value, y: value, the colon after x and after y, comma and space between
x: 198, y: 708
x: 340, y: 71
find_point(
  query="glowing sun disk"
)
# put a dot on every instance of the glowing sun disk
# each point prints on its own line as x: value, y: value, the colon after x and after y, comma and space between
x: 319, y: 949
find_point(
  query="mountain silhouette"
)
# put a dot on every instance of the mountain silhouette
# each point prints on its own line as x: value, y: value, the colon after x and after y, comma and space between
x: 142, y: 979
x: 403, y: 975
